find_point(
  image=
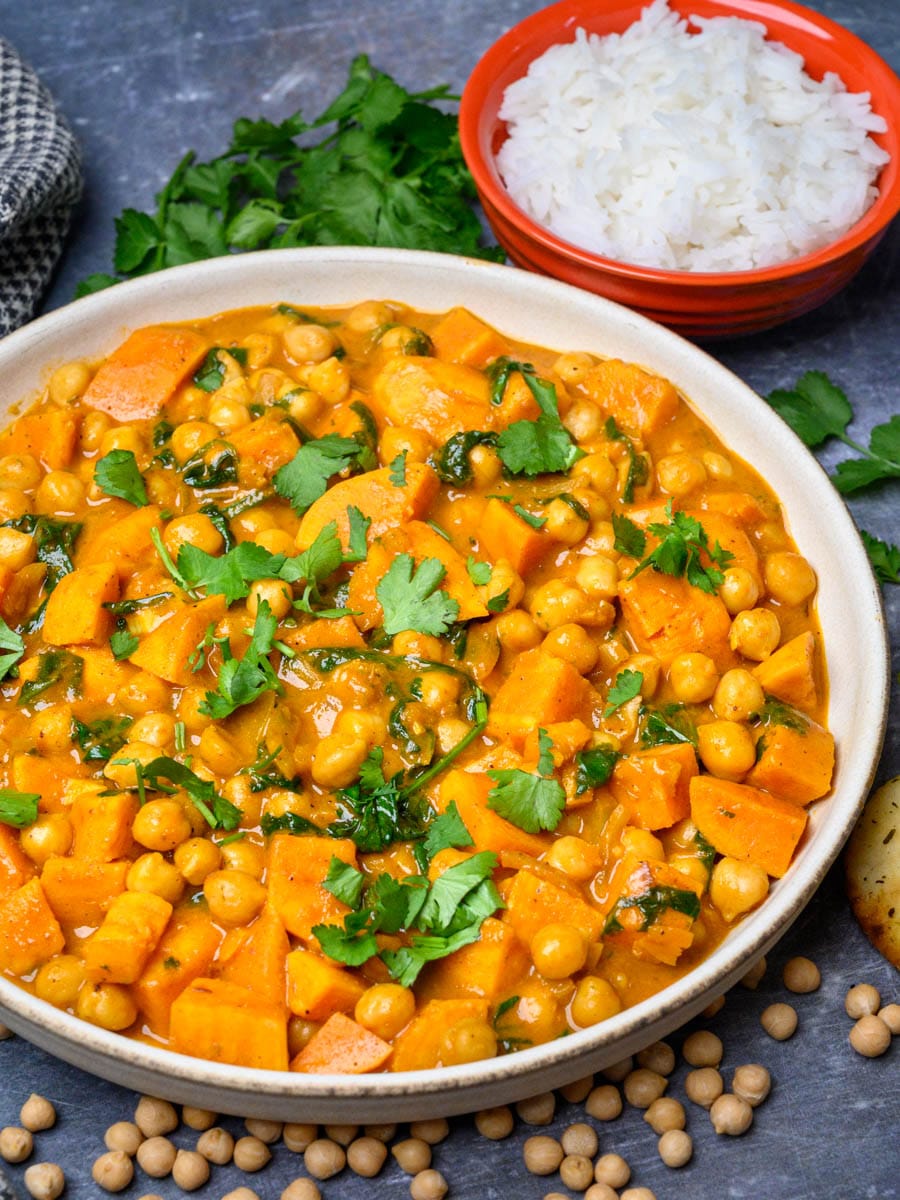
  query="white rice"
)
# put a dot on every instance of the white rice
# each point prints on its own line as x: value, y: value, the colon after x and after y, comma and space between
x: 705, y: 151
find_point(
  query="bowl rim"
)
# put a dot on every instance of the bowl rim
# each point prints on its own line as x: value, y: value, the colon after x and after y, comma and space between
x: 730, y: 960
x: 493, y: 193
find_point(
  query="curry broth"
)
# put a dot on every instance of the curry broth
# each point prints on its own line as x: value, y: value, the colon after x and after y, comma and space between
x: 645, y: 707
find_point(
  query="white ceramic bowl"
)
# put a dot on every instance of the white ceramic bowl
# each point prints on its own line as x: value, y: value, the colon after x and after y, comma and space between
x: 542, y: 311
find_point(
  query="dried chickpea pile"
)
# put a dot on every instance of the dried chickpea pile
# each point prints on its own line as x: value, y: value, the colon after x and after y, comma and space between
x: 580, y: 1156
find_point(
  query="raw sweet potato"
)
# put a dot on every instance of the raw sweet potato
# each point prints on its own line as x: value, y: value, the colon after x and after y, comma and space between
x: 743, y: 822
x: 341, y: 1047
x: 223, y: 1022
x: 144, y: 372
x: 386, y: 505
x: 75, y: 611
x: 131, y: 930
x: 653, y: 784
x: 318, y: 987
x: 794, y: 765
x: 789, y: 673
x: 29, y: 931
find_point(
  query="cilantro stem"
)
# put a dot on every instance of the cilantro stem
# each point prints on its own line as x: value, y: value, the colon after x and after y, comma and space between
x: 166, y: 559
x: 442, y: 763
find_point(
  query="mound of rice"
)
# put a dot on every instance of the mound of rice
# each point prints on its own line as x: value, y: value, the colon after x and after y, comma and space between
x: 694, y: 151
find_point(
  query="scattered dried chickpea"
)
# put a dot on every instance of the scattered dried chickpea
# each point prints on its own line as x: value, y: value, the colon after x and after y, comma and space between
x: 665, y: 1114
x: 190, y: 1170
x: 428, y: 1185
x: 713, y: 1008
x: 731, y: 1115
x: 124, y: 1136
x: 156, y: 1156
x: 495, y: 1123
x: 301, y: 1189
x: 779, y: 1021
x: 242, y: 1193
x: 113, y: 1171
x: 576, y: 1171
x: 862, y: 1000
x: 324, y: 1158
x: 675, y: 1148
x: 617, y: 1071
x: 412, y: 1155
x: 37, y: 1114
x: 298, y: 1136
x: 801, y: 975
x: 431, y: 1131
x: 383, y: 1133
x: 251, y: 1154
x: 660, y: 1057
x: 366, y: 1156
x: 754, y: 976
x: 702, y: 1049
x: 638, y: 1193
x: 267, y: 1131
x: 15, y: 1144
x: 5, y: 1032
x: 579, y: 1139
x: 578, y: 1090
x: 200, y: 1119
x: 704, y: 1086
x: 870, y: 1036
x: 612, y: 1169
x: 643, y: 1086
x: 752, y: 1083
x: 542, y: 1154
x: 604, y: 1103
x: 216, y: 1145
x: 537, y: 1110
x: 155, y: 1117
x: 890, y: 1014
x: 44, y: 1181
x: 601, y: 1191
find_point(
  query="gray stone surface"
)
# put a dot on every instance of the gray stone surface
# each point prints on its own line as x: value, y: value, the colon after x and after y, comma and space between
x: 143, y: 82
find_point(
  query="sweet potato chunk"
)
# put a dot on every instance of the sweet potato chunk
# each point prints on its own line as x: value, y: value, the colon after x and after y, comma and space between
x: 418, y: 1046
x: 794, y: 765
x: 668, y: 617
x: 265, y: 441
x: 540, y: 690
x: 125, y: 541
x: 257, y: 961
x: 131, y: 929
x: 80, y: 892
x: 461, y: 337
x: 318, y: 987
x: 29, y: 931
x: 504, y: 534
x: 489, y: 830
x: 75, y: 611
x: 640, y: 402
x: 297, y: 867
x: 102, y: 825
x: 743, y: 822
x: 437, y: 397
x: 376, y: 497
x: 341, y: 1047
x: 15, y: 867
x: 533, y: 901
x: 226, y: 1023
x: 488, y: 967
x: 49, y: 436
x: 144, y: 373
x: 183, y: 954
x: 653, y: 784
x: 789, y: 673
x: 165, y: 652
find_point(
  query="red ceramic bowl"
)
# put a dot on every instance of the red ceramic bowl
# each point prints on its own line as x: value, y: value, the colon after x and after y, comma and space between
x: 697, y: 304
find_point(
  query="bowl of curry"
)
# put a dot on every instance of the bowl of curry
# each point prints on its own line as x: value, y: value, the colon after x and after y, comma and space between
x: 409, y: 695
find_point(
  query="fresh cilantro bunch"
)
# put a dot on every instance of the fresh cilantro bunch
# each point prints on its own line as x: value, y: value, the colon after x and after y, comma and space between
x: 681, y: 544
x: 390, y: 173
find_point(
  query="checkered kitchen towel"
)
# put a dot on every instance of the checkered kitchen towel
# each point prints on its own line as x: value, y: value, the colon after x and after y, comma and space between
x: 40, y: 181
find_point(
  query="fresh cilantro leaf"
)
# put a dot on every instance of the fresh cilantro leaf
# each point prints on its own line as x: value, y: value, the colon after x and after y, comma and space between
x: 351, y: 944
x: 305, y: 478
x: 529, y: 518
x: 884, y: 557
x: 638, y: 470
x: 54, y: 542
x: 228, y: 575
x: 535, y: 447
x: 776, y: 712
x: 411, y: 599
x: 376, y: 812
x: 214, y: 465
x: 117, y: 474
x: 137, y: 238
x: 18, y: 808
x: 218, y: 812
x: 545, y: 762
x: 210, y: 375
x: 357, y: 547
x: 289, y: 822
x: 498, y: 603
x: 344, y: 882
x: 628, y: 685
x: 479, y: 572
x: 529, y: 801
x: 99, y: 740
x: 449, y: 890
x: 815, y: 408
x: 398, y: 470
x: 57, y: 669
x: 594, y: 768
x: 446, y: 830
x: 652, y: 903
x: 681, y: 543
x: 13, y: 644
x: 123, y: 643
x: 667, y: 726
x: 630, y: 539
x: 242, y: 680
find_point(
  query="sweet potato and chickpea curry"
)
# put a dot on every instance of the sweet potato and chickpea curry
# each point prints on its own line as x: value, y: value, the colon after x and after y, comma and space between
x: 381, y: 694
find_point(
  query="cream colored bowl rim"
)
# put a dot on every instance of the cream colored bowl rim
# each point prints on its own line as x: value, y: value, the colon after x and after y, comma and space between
x: 518, y: 303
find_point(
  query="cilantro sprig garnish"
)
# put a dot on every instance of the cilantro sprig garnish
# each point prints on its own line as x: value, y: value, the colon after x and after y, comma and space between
x: 539, y: 447
x: 681, y: 544
x: 628, y: 684
x: 117, y: 474
x: 594, y: 767
x: 389, y: 174
x: 531, y: 801
x: 14, y: 646
x: 638, y: 470
x: 18, y: 809
x: 243, y: 680
x: 305, y: 478
x: 376, y: 812
x: 411, y: 599
x: 210, y: 375
x: 884, y: 557
x: 817, y: 409
x: 436, y: 918
x: 218, y: 812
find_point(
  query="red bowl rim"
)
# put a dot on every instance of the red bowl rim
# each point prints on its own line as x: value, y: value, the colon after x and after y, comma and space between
x: 881, y: 80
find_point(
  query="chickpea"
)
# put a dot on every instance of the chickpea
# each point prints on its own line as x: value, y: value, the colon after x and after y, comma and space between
x: 604, y: 1103
x: 665, y: 1114
x: 124, y: 1136
x: 739, y: 590
x: 580, y: 1139
x: 385, y: 1008
x: 228, y: 412
x: 779, y: 1021
x: 675, y: 1148
x: 17, y: 549
x: 155, y: 1117
x: 640, y: 843
x: 573, y: 367
x: 601, y: 1191
x: 643, y: 1086
x: 412, y: 1155
x: 251, y: 1154
x: 122, y: 772
x: 752, y: 1083
x: 556, y: 603
x: 755, y: 633
x: 216, y: 1145
x: 485, y: 465
x: 246, y: 856
x: 754, y: 976
x: 731, y: 1115
x: 680, y: 474
x: 331, y: 379
x: 598, y: 577
x: 438, y: 690
x: 789, y: 578
x: 108, y: 1005
x: 612, y: 1170
x: 870, y: 1036
x: 558, y: 950
x: 16, y: 1145
x: 595, y: 1000
x: 21, y: 471
x: 861, y: 1000
x: 726, y: 749
x: 275, y: 592
x: 247, y: 526
x: 161, y: 825
x: 301, y: 1189
x: 735, y: 887
x: 517, y: 631
x: 702, y: 1049
x: 155, y: 729
x: 59, y: 492
x: 123, y: 437
x: 574, y: 857
x: 196, y: 858
x: 385, y: 1132
x: 504, y: 581
x: 13, y: 504
x: 564, y: 524
x: 49, y: 837
x: 573, y: 645
x: 584, y: 421
x: 234, y: 898
x: 44, y: 1181
x: 113, y: 1171
x: 737, y: 696
x: 542, y: 1154
x: 717, y: 465
x: 495, y: 1123
x: 576, y: 1171
x: 596, y: 470
x: 616, y: 1072
x: 152, y: 873
x: 366, y: 1156
x: 193, y: 530
x: 405, y: 439
x: 368, y: 316
x: 191, y: 436
x: 68, y: 382
x: 537, y: 1110
x: 156, y: 1156
x: 336, y: 760
x: 308, y: 343
x: 304, y: 404
x: 469, y: 1040
x: 298, y: 1136
x: 37, y: 1114
x: 703, y: 1086
x: 801, y: 975
x: 890, y: 1014
x: 190, y: 1170
x: 324, y: 1158
x: 659, y: 1057
x: 240, y: 1193
x: 428, y: 1185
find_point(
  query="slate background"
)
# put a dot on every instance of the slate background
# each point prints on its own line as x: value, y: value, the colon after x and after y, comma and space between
x: 143, y: 82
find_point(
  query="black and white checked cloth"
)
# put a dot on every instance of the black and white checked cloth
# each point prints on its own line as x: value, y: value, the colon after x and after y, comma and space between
x: 40, y: 181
